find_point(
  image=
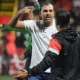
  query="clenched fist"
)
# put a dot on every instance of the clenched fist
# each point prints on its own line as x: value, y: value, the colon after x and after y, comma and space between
x: 24, y: 10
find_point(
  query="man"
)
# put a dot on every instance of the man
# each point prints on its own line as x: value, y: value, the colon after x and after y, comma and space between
x: 63, y: 52
x: 41, y: 32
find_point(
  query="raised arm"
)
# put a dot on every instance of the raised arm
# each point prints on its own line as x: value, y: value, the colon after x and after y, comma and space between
x: 15, y: 21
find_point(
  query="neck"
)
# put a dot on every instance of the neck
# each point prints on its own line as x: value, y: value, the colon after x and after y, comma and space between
x: 47, y: 24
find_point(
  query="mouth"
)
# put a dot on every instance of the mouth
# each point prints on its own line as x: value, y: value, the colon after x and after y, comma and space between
x: 48, y: 18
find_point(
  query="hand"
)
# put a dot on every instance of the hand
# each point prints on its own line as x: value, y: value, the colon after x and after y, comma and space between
x: 24, y: 10
x: 22, y: 74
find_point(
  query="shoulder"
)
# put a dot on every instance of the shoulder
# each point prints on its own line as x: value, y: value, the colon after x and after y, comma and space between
x: 32, y: 21
x: 55, y: 46
x: 54, y: 42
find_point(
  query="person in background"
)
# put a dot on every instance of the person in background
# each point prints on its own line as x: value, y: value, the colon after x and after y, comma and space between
x: 9, y: 50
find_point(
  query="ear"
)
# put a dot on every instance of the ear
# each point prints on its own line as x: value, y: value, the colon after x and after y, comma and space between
x: 53, y: 13
x: 58, y: 27
x: 40, y: 13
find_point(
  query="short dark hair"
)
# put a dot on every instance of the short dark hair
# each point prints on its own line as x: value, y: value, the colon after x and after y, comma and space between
x: 46, y: 3
x: 62, y: 18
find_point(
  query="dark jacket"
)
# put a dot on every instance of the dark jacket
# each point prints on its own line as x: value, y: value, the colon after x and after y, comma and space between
x: 65, y: 65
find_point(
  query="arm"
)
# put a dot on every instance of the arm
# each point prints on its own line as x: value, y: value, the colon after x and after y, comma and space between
x: 9, y: 28
x: 44, y: 64
x: 15, y: 21
x: 49, y: 59
x: 41, y: 67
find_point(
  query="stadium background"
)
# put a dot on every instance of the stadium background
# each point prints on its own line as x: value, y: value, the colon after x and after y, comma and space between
x: 8, y: 8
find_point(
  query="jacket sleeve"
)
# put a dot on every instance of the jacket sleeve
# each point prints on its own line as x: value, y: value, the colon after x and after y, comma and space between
x: 47, y: 62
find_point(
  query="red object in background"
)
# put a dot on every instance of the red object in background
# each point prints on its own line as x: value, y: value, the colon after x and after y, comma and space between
x: 10, y: 43
x: 4, y: 19
x: 10, y: 46
x: 66, y: 4
x: 19, y: 51
x: 10, y: 36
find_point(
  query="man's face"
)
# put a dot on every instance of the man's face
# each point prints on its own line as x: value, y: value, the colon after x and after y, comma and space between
x: 47, y: 13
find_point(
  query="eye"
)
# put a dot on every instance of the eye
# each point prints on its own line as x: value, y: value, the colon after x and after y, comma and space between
x: 50, y: 10
x: 45, y: 11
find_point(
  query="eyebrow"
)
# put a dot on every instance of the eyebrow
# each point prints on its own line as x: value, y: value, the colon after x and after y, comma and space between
x: 47, y: 10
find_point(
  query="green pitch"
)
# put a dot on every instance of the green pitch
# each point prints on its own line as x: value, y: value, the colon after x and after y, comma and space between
x: 6, y: 78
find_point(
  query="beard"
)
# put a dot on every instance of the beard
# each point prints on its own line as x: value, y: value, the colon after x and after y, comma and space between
x: 47, y: 23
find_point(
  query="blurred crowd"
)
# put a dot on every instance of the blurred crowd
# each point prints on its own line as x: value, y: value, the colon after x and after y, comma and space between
x: 8, y: 55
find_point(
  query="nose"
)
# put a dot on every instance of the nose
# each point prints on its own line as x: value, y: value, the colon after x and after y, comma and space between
x: 48, y: 12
